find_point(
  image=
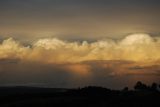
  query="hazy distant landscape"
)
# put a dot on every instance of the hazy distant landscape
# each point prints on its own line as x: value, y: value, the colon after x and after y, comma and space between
x: 91, y: 96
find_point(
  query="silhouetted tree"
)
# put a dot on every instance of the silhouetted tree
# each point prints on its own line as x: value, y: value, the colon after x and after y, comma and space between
x: 140, y: 86
x: 154, y: 87
x: 125, y: 89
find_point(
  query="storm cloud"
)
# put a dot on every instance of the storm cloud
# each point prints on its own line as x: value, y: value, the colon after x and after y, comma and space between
x: 112, y: 74
x: 61, y: 63
x: 134, y: 47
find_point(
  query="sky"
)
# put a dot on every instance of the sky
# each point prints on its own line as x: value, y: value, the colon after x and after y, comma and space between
x: 72, y: 43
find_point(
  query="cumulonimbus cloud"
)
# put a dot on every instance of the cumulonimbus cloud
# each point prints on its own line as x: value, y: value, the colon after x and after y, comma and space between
x: 135, y: 47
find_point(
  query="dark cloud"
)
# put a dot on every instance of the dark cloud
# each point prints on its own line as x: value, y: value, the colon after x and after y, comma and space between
x: 111, y: 74
x: 136, y: 67
x: 7, y: 61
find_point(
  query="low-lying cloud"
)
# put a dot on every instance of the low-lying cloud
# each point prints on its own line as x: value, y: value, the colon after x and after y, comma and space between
x: 135, y: 47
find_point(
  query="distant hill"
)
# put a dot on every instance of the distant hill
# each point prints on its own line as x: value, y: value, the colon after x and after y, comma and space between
x: 90, y: 96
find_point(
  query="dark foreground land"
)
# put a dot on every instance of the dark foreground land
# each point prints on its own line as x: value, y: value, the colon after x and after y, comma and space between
x: 84, y: 97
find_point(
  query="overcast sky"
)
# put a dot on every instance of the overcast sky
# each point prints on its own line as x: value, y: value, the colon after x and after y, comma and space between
x: 78, y: 19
